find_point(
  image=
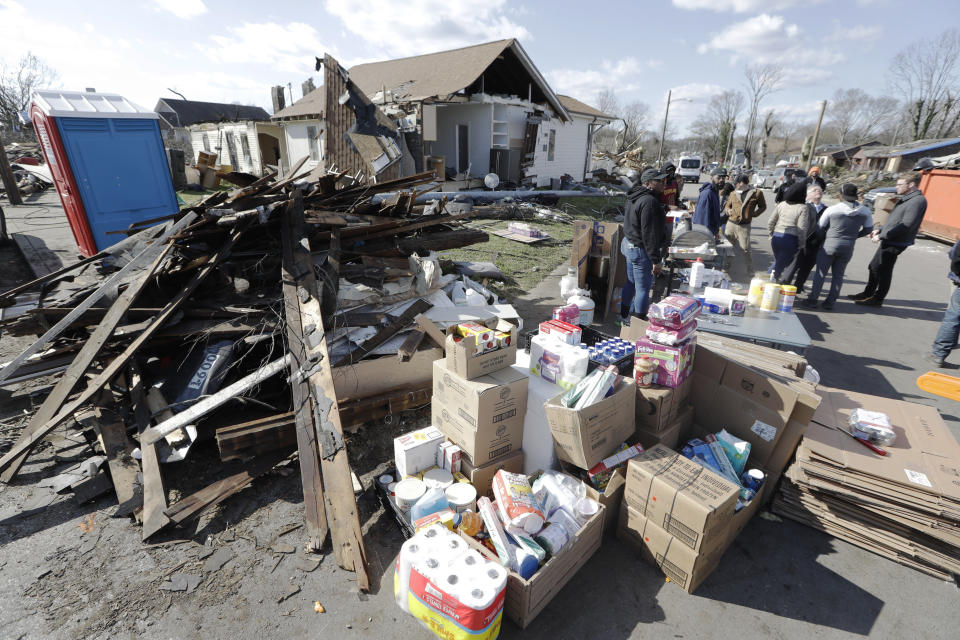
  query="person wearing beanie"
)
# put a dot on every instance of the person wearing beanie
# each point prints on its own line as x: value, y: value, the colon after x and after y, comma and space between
x: 813, y: 178
x: 672, y: 186
x: 839, y: 227
x: 787, y: 226
x: 743, y: 205
x: 707, y: 212
x: 644, y: 243
x: 898, y: 233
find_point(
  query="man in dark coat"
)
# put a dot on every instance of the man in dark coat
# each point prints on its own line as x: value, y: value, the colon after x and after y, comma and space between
x: 898, y: 233
x: 644, y: 243
x: 707, y: 212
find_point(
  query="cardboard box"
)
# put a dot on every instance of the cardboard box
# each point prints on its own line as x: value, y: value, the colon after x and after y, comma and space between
x: 688, y: 501
x: 684, y: 566
x: 462, y: 359
x: 610, y: 498
x: 525, y: 599
x: 483, y: 416
x: 482, y: 477
x: 415, y: 451
x: 674, y: 363
x: 586, y: 436
x: 657, y: 407
x: 669, y: 437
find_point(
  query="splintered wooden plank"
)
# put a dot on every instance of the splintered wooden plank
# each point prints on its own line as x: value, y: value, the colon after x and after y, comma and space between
x: 410, y: 345
x: 154, y: 491
x: 257, y: 436
x: 341, y: 504
x: 116, y: 365
x: 315, y: 515
x: 196, y: 503
x: 91, y: 349
x: 113, y: 438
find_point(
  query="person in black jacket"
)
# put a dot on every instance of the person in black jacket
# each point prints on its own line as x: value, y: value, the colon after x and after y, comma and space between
x: 813, y: 178
x: 644, y: 243
x: 898, y: 233
x: 946, y: 338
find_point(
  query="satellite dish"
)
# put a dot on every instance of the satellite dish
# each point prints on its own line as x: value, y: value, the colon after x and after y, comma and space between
x: 491, y: 180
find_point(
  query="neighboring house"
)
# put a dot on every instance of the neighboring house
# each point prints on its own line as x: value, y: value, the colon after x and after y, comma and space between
x: 481, y: 109
x: 240, y: 135
x: 303, y: 129
x: 840, y: 155
x: 903, y: 157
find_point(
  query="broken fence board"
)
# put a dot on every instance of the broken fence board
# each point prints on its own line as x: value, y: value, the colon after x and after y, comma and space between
x: 154, y: 492
x: 410, y: 345
x: 384, y: 334
x: 117, y: 447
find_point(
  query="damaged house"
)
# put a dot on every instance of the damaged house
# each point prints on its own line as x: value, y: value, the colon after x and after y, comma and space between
x: 241, y: 136
x: 302, y: 126
x: 481, y: 109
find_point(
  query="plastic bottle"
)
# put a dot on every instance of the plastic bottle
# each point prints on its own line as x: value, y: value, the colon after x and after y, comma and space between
x: 581, y: 298
x: 432, y: 501
x: 459, y: 294
x: 569, y: 283
x: 470, y: 523
x: 696, y: 274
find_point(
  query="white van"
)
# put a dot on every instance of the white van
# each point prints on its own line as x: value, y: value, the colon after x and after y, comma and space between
x: 689, y: 168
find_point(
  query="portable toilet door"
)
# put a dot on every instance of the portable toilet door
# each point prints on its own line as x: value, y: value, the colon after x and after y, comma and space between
x: 108, y: 163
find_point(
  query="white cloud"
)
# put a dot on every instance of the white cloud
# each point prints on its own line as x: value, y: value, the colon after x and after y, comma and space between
x: 797, y: 111
x: 426, y: 26
x: 856, y: 33
x: 737, y: 6
x: 185, y: 9
x: 687, y: 101
x: 288, y: 49
x: 765, y: 39
x: 584, y: 84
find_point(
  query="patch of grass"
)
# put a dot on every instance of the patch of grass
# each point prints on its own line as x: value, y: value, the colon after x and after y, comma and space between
x: 525, y: 265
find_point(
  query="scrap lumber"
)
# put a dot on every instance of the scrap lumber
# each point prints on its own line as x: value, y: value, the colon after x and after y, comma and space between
x: 354, y: 412
x: 154, y: 491
x: 421, y: 245
x: 198, y: 502
x: 341, y: 505
x: 410, y: 345
x: 208, y: 404
x: 113, y: 439
x: 91, y: 349
x: 384, y: 334
x: 311, y: 477
x: 27, y: 441
x: 6, y: 297
x: 257, y: 436
x: 145, y: 257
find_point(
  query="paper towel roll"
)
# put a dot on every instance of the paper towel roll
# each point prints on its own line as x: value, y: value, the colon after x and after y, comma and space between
x: 410, y: 552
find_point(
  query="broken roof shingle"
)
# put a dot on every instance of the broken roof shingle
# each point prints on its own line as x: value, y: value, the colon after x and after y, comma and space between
x: 312, y: 104
x: 575, y: 106
x: 183, y: 113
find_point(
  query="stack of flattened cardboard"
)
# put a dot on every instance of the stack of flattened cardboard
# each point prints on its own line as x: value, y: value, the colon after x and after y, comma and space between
x: 904, y: 505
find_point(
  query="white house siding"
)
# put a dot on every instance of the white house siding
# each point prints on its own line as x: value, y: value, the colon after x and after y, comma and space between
x: 570, y: 149
x: 298, y: 144
x: 479, y: 117
x: 217, y: 137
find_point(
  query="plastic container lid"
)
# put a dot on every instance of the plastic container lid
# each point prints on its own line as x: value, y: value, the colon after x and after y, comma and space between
x: 439, y: 478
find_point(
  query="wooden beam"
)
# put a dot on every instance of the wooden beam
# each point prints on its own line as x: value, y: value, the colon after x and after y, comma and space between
x: 257, y: 436
x: 341, y: 504
x: 91, y: 349
x: 113, y: 438
x: 154, y: 491
x: 117, y: 364
x: 410, y: 345
x: 311, y: 478
x: 9, y: 182
x: 367, y: 409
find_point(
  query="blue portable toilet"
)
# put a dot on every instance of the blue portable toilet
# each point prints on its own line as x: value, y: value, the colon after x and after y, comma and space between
x: 108, y: 162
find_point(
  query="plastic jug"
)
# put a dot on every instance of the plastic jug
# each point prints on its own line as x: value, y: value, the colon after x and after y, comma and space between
x: 696, y: 274
x: 432, y: 501
x: 581, y: 298
x: 568, y: 283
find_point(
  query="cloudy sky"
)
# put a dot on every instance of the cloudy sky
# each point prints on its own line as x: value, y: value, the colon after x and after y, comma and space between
x: 224, y: 51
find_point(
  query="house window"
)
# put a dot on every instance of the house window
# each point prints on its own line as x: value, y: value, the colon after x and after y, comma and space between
x: 313, y: 141
x: 551, y: 146
x: 245, y: 147
x: 206, y: 143
x: 232, y: 150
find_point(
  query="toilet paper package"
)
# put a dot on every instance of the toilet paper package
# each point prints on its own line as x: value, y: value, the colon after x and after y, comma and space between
x: 453, y: 590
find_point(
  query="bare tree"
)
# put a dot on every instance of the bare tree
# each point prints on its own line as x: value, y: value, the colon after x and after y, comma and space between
x: 635, y: 116
x: 856, y: 117
x: 607, y: 101
x: 761, y: 81
x: 770, y: 122
x: 715, y: 126
x: 18, y: 82
x: 927, y: 76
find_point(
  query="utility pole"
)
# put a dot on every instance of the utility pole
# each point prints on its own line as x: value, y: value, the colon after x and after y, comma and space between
x: 663, y: 132
x: 9, y: 182
x: 816, y: 134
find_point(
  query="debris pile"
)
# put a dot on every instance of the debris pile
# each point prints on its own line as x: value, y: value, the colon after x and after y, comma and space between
x: 245, y: 317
